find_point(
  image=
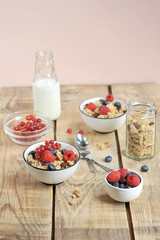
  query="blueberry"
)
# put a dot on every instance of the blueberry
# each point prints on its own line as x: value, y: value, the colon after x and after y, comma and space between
x: 63, y: 151
x: 127, y: 186
x: 122, y: 180
x: 51, y: 166
x: 32, y: 153
x: 104, y: 102
x: 108, y: 158
x: 117, y: 104
x: 115, y: 184
x: 121, y: 185
x: 130, y: 173
x: 53, y: 151
x: 144, y: 168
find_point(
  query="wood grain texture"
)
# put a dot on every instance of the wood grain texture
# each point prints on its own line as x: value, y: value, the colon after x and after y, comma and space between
x: 145, y: 210
x: 94, y: 215
x: 25, y: 203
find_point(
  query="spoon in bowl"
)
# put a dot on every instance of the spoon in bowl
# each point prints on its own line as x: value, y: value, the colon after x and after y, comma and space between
x: 82, y: 144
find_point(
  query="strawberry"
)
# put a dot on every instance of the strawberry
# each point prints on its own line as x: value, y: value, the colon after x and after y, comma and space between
x: 114, y: 176
x: 133, y: 180
x: 48, y: 157
x: 91, y: 106
x: 104, y: 110
x: 110, y: 98
x: 123, y: 172
x: 69, y: 155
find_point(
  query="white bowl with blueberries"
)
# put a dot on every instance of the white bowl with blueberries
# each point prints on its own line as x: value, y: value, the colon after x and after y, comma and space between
x: 103, y: 125
x: 42, y: 161
x: 124, y: 187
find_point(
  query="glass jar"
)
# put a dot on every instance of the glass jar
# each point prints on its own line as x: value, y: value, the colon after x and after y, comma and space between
x: 141, y: 129
x: 45, y: 86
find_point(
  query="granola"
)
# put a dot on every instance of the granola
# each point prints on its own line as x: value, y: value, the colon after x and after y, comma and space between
x: 140, y: 137
x: 115, y: 111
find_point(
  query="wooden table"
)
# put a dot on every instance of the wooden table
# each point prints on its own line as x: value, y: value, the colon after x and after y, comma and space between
x: 32, y: 210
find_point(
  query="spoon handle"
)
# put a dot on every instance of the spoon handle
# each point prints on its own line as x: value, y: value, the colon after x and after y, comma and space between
x: 98, y: 164
x: 91, y: 166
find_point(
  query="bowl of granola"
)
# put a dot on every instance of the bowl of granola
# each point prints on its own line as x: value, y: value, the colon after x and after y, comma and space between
x: 51, y: 162
x: 124, y: 185
x: 103, y: 114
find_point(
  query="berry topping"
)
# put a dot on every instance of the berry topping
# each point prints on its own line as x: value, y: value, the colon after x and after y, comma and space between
x: 69, y: 130
x: 32, y: 153
x: 144, y: 168
x: 69, y: 155
x: 48, y: 157
x: 63, y: 151
x: 53, y: 151
x: 81, y: 132
x: 113, y: 176
x: 108, y: 158
x: 91, y: 106
x: 123, y: 172
x: 110, y: 98
x: 51, y: 166
x: 117, y: 105
x: 104, y: 110
x: 116, y: 184
x: 104, y: 102
x: 133, y: 180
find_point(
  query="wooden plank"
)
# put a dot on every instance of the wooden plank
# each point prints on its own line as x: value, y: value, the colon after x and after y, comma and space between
x: 145, y: 210
x: 94, y: 215
x: 25, y: 203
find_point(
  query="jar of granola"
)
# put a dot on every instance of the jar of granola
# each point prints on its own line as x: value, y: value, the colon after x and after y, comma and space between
x: 141, y: 129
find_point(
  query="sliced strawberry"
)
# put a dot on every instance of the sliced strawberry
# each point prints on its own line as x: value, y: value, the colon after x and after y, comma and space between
x: 69, y: 155
x: 48, y: 157
x: 91, y: 106
x: 104, y: 110
x: 110, y: 98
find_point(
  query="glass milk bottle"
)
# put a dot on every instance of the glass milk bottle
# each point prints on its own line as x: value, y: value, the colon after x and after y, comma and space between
x: 45, y: 86
x: 141, y: 129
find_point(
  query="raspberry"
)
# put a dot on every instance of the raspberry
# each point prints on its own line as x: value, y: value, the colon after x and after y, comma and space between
x: 48, y: 157
x: 123, y: 172
x: 104, y: 110
x: 91, y: 106
x: 81, y: 132
x: 110, y: 98
x: 133, y: 180
x: 114, y: 176
x: 69, y: 130
x: 69, y: 155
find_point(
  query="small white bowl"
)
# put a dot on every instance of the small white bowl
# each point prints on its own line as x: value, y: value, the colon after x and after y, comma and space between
x: 124, y: 194
x: 51, y: 176
x: 102, y: 125
x: 29, y: 137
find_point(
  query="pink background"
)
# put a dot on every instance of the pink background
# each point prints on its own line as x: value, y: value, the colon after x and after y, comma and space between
x: 93, y: 41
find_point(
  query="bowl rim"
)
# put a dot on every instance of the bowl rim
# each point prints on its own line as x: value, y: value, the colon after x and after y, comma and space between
x: 124, y: 189
x: 47, y: 170
x: 102, y: 118
x: 35, y: 133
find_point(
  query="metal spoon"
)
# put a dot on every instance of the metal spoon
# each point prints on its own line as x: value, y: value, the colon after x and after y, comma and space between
x: 86, y: 154
x: 82, y: 143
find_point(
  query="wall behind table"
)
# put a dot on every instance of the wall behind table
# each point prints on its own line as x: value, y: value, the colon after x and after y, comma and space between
x: 93, y: 41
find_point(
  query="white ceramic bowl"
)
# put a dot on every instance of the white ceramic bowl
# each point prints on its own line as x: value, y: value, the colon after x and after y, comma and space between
x: 124, y: 194
x: 105, y: 125
x: 24, y: 138
x: 51, y: 176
